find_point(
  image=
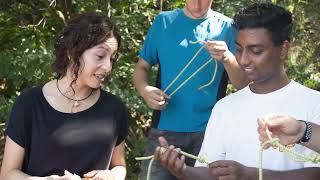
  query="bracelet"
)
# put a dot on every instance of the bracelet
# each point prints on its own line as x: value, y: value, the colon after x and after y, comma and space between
x: 307, y: 133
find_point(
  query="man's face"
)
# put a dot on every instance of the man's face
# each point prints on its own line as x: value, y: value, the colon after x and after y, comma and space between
x: 257, y: 56
x: 198, y: 8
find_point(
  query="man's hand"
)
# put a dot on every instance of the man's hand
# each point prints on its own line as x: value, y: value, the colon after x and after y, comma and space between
x: 229, y: 170
x: 155, y: 98
x: 170, y: 158
x: 286, y: 128
x: 218, y: 50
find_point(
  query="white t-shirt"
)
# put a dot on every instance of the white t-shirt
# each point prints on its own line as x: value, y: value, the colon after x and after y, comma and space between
x: 231, y: 132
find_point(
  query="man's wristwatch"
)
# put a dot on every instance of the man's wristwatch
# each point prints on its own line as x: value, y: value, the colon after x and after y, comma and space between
x: 307, y: 133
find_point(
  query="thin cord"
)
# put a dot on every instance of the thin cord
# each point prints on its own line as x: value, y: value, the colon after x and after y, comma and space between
x: 70, y: 97
x: 213, y: 77
x: 186, y: 66
x: 184, y: 82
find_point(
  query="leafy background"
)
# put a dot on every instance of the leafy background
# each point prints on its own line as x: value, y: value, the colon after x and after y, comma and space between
x: 27, y: 30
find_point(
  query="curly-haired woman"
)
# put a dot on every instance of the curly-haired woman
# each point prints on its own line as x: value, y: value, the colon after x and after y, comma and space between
x: 70, y: 127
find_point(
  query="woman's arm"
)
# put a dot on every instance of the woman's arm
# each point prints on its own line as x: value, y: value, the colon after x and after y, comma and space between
x: 118, y: 162
x: 12, y: 161
x: 118, y: 166
x: 12, y: 164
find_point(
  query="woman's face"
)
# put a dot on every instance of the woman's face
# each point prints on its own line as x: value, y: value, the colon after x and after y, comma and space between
x: 96, y: 63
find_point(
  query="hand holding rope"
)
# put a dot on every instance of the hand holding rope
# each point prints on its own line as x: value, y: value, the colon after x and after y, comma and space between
x: 275, y: 142
x: 162, y: 151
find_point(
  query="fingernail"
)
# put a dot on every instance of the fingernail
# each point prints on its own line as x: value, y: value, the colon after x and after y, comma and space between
x: 177, y: 150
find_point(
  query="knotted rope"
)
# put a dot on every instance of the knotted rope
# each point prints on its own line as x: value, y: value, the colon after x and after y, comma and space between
x: 274, y: 142
x: 162, y: 151
x: 298, y: 157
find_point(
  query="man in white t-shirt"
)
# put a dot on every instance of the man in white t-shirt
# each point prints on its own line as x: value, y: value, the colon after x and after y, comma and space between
x: 231, y: 141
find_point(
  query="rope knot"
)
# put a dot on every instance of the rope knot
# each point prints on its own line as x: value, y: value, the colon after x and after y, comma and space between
x: 274, y: 142
x: 315, y: 158
x: 162, y: 150
x: 202, y: 159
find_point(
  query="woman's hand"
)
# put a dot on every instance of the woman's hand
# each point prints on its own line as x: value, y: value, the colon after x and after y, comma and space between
x: 67, y: 176
x: 100, y: 175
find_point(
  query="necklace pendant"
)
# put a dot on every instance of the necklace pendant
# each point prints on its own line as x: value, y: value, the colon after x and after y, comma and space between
x: 76, y: 104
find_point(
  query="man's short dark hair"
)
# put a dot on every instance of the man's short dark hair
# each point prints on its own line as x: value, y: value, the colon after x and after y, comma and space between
x: 277, y: 20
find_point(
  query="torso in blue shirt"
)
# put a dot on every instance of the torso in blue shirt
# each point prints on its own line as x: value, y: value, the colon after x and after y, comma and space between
x: 168, y: 44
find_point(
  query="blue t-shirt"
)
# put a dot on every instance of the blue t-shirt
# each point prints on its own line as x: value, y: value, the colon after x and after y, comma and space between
x: 168, y: 44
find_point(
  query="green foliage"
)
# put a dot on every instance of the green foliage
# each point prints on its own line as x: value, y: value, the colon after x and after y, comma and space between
x: 27, y: 30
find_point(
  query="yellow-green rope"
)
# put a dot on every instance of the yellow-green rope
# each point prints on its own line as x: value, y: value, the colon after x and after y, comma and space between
x: 213, y: 77
x: 162, y: 151
x: 193, y: 74
x: 215, y: 69
x: 298, y: 157
x: 275, y: 142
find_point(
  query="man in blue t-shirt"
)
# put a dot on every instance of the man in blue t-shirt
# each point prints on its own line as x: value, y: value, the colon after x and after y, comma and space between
x: 181, y: 113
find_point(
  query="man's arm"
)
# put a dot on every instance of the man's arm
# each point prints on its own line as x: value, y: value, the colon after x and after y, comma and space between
x: 240, y: 172
x: 314, y: 142
x: 227, y: 169
x: 220, y: 51
x: 198, y: 173
x: 235, y: 171
x: 154, y: 97
x: 141, y: 75
x: 236, y: 75
x: 310, y: 173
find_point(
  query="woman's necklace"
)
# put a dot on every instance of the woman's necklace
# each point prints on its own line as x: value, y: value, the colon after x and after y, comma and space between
x: 76, y: 101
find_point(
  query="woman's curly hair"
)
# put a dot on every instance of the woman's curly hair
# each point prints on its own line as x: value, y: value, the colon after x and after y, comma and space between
x: 82, y: 32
